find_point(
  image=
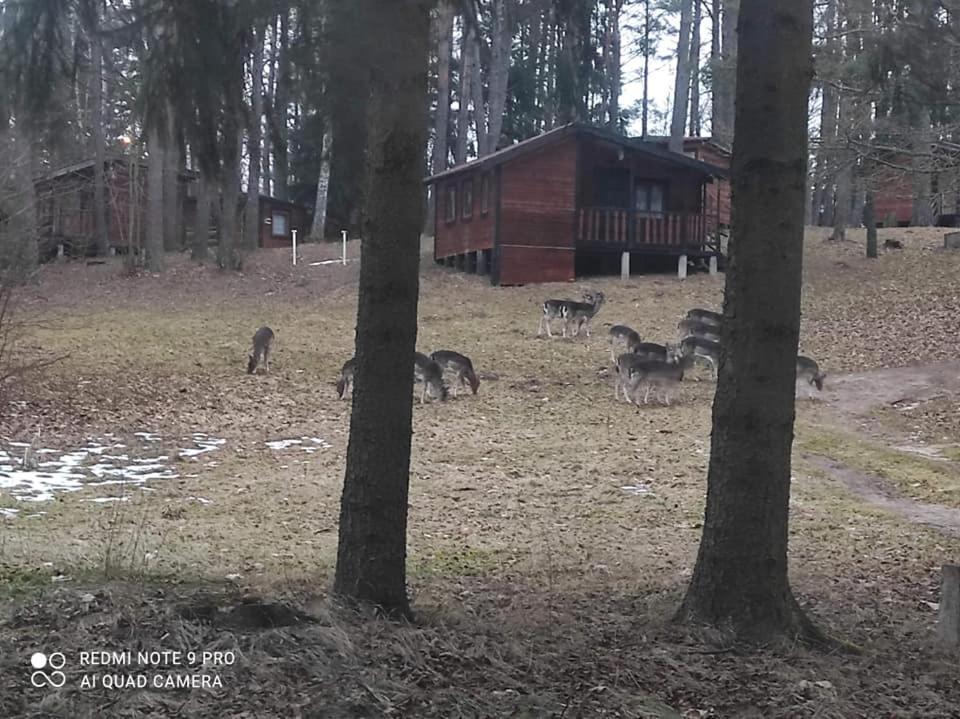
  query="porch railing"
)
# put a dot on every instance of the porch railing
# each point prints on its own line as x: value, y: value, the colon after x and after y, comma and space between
x: 630, y: 229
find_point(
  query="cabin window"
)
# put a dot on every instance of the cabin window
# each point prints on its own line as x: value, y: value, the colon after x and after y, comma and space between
x: 650, y: 197
x: 278, y: 222
x: 485, y: 194
x: 467, y: 200
x: 451, y: 213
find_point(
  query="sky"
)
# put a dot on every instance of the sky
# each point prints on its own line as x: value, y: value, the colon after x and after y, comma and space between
x: 662, y: 68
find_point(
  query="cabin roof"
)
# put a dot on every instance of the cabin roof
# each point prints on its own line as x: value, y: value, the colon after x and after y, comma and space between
x: 79, y: 167
x: 577, y: 129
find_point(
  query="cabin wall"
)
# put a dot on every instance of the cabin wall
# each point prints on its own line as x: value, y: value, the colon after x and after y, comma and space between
x: 297, y: 219
x: 463, y: 234
x: 718, y: 191
x: 537, y: 215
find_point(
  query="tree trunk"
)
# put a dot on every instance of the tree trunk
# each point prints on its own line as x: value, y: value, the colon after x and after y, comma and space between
x: 645, y: 116
x: 870, y: 222
x: 171, y: 186
x: 499, y: 72
x: 281, y: 107
x: 716, y: 103
x: 371, y: 556
x: 695, y: 69
x: 740, y: 579
x: 251, y: 223
x: 476, y: 87
x: 155, y: 220
x: 614, y: 61
x: 201, y: 226
x: 229, y: 255
x: 441, y: 127
x: 681, y: 88
x: 100, y: 226
x: 726, y: 73
x: 347, y: 59
x: 825, y: 174
x: 441, y: 131
x: 323, y: 186
x: 922, y: 215
x: 463, y: 113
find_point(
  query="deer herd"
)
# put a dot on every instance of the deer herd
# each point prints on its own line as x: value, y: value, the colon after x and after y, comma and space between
x: 640, y: 367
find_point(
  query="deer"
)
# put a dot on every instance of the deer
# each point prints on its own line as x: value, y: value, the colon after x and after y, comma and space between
x: 430, y: 373
x: 702, y: 348
x: 460, y: 365
x: 706, y: 316
x: 653, y: 351
x: 656, y: 373
x: 698, y: 328
x: 262, y: 339
x: 580, y: 313
x: 347, y: 372
x: 625, y: 336
x: 809, y: 370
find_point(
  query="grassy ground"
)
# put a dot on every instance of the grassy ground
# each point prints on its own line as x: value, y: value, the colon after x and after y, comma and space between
x: 542, y: 587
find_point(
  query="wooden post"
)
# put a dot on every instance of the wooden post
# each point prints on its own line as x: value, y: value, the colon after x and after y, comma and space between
x: 713, y: 265
x: 482, y: 262
x: 682, y: 267
x: 625, y: 266
x: 948, y: 627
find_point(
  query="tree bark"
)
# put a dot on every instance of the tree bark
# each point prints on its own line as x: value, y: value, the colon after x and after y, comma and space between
x: 281, y: 107
x: 681, y: 88
x: 695, y: 69
x: 870, y: 222
x: 101, y: 228
x: 251, y: 223
x: 347, y: 48
x: 229, y: 255
x: 499, y: 77
x: 171, y: 186
x: 614, y: 62
x: 825, y: 174
x: 645, y: 115
x: 323, y: 186
x: 476, y: 88
x: 740, y: 579
x: 441, y: 132
x: 716, y: 13
x: 466, y: 92
x: 371, y: 555
x: 155, y: 220
x: 200, y: 251
x: 726, y: 73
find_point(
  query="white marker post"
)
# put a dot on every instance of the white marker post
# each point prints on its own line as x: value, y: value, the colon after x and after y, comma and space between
x: 343, y: 234
x: 294, y: 248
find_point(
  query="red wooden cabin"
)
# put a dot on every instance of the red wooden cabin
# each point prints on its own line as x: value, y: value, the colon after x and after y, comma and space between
x: 530, y: 211
x: 65, y: 199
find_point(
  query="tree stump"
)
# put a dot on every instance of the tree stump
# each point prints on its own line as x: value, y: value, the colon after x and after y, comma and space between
x: 948, y: 626
x: 951, y: 240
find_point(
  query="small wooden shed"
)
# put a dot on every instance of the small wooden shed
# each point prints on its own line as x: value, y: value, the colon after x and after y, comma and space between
x: 529, y: 212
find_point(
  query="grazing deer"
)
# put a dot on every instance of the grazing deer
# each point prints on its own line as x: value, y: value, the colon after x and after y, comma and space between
x: 702, y: 348
x: 460, y: 365
x: 652, y: 351
x: 430, y: 373
x: 345, y: 383
x: 262, y: 340
x: 707, y: 316
x: 892, y: 245
x: 580, y: 313
x: 809, y: 370
x: 655, y: 373
x: 625, y: 336
x: 698, y: 328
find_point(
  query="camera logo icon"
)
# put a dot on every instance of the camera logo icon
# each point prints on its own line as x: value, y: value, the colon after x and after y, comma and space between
x: 55, y: 678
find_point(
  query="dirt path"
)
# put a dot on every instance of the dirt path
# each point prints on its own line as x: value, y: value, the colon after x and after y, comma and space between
x: 853, y: 397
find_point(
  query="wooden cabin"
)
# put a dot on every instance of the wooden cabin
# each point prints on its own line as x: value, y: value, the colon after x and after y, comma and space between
x: 532, y: 211
x: 65, y: 200
x: 707, y: 150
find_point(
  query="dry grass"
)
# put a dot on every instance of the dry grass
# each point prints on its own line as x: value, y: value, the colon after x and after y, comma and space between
x: 540, y: 583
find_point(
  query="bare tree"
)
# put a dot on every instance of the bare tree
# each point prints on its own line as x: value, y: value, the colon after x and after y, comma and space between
x: 155, y: 220
x: 251, y: 223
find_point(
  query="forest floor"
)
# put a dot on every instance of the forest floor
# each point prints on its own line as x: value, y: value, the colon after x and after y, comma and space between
x: 181, y: 504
